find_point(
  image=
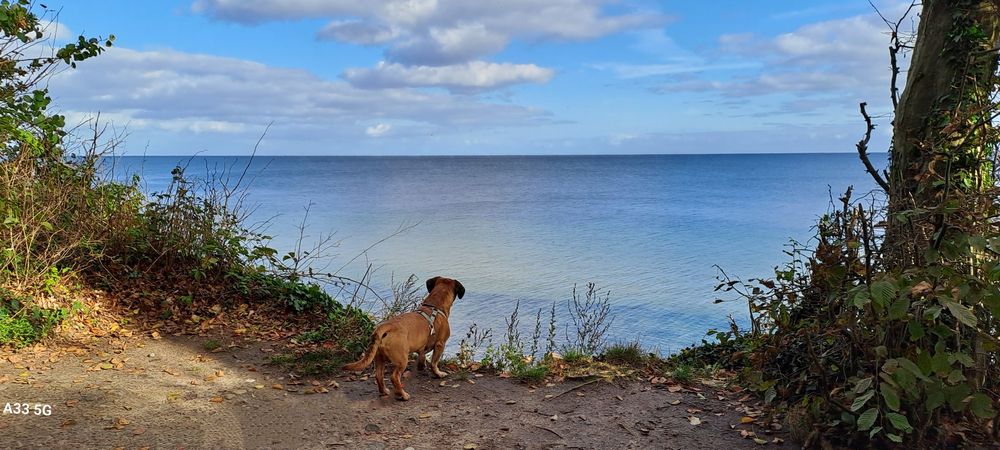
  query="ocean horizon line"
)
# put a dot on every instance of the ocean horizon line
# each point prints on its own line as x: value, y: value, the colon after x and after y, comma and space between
x: 504, y: 155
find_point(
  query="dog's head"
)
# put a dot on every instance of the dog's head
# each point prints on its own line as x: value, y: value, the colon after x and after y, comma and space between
x: 456, y: 286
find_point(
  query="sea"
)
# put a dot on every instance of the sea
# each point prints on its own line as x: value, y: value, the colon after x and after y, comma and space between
x: 652, y: 232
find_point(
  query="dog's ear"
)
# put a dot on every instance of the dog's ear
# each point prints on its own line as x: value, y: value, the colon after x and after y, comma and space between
x: 459, y: 289
x: 430, y: 283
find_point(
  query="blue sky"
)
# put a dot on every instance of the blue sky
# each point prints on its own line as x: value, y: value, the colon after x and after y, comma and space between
x: 414, y: 77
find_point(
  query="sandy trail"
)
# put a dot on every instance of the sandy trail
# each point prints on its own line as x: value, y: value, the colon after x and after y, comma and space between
x: 171, y: 393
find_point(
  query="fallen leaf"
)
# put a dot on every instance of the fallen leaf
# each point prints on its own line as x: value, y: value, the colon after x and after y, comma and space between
x: 675, y: 402
x: 694, y: 420
x: 71, y: 403
x: 425, y: 415
x: 511, y: 402
x: 675, y: 388
x: 216, y: 399
x: 277, y: 386
x: 746, y: 419
x: 138, y: 431
x: 258, y: 386
x: 118, y: 424
x: 760, y: 441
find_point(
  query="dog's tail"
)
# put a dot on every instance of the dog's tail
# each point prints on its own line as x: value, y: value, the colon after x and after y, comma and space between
x: 369, y: 355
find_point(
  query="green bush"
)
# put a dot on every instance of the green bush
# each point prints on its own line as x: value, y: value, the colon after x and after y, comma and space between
x: 22, y: 323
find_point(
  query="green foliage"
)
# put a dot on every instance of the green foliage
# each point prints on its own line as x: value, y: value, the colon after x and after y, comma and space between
x: 26, y: 126
x: 512, y: 355
x: 573, y: 355
x: 874, y: 352
x: 626, y: 353
x: 721, y: 349
x: 22, y: 323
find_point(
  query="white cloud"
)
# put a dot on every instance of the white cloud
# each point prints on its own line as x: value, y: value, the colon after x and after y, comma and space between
x: 357, y: 32
x: 421, y: 33
x: 844, y: 61
x: 443, y: 46
x: 378, y: 129
x: 56, y: 31
x: 468, y: 77
x: 177, y: 91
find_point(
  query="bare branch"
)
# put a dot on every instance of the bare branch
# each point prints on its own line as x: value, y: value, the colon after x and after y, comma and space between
x: 863, y: 149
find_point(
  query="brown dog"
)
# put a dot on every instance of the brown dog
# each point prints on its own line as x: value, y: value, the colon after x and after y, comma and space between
x: 416, y: 331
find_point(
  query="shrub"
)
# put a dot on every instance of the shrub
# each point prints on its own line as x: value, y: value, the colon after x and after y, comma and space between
x: 591, y: 317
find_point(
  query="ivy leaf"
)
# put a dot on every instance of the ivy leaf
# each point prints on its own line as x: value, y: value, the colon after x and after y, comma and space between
x: 861, y: 400
x: 912, y: 368
x: 867, y: 419
x: 982, y: 406
x: 898, y: 308
x: 962, y: 313
x: 890, y: 396
x: 894, y: 437
x: 962, y: 358
x: 899, y: 422
x: 863, y: 385
x: 882, y: 291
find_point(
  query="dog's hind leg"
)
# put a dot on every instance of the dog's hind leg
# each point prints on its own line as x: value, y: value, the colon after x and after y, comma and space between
x: 421, y: 359
x: 399, y: 360
x: 397, y: 382
x: 380, y: 374
x: 438, y: 351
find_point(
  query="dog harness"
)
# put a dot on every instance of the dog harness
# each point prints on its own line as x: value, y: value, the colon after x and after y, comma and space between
x: 430, y: 317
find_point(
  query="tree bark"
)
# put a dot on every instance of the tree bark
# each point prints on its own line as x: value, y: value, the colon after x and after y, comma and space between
x: 940, y: 149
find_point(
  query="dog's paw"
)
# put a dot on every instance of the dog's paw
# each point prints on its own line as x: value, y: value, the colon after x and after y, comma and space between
x: 403, y: 397
x: 441, y: 374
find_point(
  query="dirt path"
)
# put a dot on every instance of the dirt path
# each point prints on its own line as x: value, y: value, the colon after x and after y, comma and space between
x: 171, y: 393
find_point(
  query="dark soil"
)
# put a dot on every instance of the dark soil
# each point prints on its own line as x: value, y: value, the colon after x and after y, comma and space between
x: 174, y: 393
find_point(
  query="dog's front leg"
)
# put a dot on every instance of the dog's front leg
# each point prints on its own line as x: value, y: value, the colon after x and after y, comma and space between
x: 438, y: 351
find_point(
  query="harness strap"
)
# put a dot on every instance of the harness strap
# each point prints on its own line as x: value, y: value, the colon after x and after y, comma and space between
x: 430, y: 317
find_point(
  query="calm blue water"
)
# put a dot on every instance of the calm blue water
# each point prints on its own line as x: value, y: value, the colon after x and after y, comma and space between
x: 647, y: 228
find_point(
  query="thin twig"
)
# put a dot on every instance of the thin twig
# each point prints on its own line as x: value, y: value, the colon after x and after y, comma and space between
x: 549, y: 430
x: 574, y: 388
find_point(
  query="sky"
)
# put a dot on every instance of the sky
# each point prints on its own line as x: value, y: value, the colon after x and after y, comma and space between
x: 460, y: 77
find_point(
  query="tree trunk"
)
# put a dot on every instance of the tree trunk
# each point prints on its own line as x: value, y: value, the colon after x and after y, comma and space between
x: 942, y: 145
